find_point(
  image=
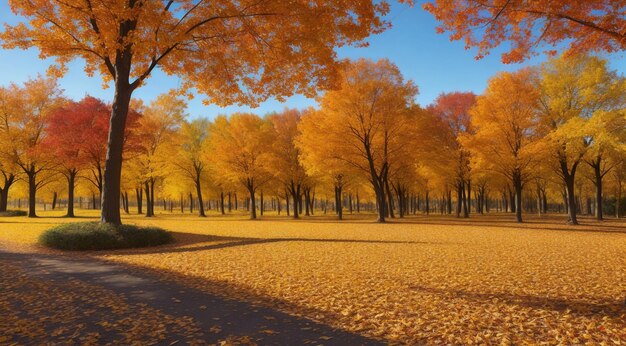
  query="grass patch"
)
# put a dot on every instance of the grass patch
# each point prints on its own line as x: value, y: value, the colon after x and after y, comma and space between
x: 10, y: 213
x: 97, y: 236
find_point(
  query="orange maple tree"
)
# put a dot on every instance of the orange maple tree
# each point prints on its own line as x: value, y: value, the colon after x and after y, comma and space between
x: 596, y: 25
x: 231, y: 51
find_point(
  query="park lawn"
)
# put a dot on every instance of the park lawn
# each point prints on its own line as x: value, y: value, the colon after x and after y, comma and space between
x: 418, y: 280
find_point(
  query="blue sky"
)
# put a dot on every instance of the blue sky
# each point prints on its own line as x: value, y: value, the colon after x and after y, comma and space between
x: 434, y: 63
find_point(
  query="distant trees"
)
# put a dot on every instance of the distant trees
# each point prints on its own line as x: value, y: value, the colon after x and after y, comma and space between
x: 504, y: 125
x: 362, y: 124
x: 453, y: 109
x: 191, y: 159
x: 71, y: 139
x: 285, y: 157
x: 574, y: 90
x: 25, y: 114
x: 155, y: 135
x: 240, y: 152
x: 544, y: 139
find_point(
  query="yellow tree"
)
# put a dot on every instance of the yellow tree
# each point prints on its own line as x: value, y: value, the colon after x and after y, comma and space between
x: 155, y: 135
x: 190, y: 159
x: 619, y: 180
x: 361, y: 123
x: 606, y: 131
x: 319, y: 159
x: 24, y: 118
x: 285, y: 158
x: 573, y: 89
x: 232, y: 51
x: 239, y: 147
x: 504, y: 120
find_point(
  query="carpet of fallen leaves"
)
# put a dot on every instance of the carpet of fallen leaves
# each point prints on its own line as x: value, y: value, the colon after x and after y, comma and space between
x: 429, y: 280
x: 34, y: 310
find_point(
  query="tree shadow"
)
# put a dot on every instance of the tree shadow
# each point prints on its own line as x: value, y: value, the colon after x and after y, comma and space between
x: 221, y: 309
x: 494, y: 220
x: 190, y: 242
x: 523, y: 226
x: 577, y: 307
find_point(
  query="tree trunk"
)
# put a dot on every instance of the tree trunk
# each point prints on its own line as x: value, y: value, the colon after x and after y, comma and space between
x: 464, y: 198
x: 149, y: 210
x: 4, y: 198
x: 459, y: 199
x: 139, y: 195
x: 517, y: 184
x: 338, y: 193
x: 390, y: 204
x: 222, y: 203
x: 199, y: 193
x: 571, y: 200
x: 229, y: 203
x: 262, y: 206
x: 295, y: 191
x: 71, y: 179
x: 4, y: 192
x: 115, y: 144
x: 252, y: 201
x: 598, y: 182
x: 182, y: 204
x: 568, y: 178
x: 32, y: 193
x: 190, y: 203
x: 307, y: 202
x: 54, y: 200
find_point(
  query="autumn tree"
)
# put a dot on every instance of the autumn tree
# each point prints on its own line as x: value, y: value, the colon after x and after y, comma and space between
x: 232, y: 51
x: 591, y: 25
x: 8, y: 167
x: 96, y: 114
x: 285, y: 159
x: 155, y: 135
x: 191, y: 158
x: 453, y: 109
x: 504, y: 119
x: 606, y: 131
x: 318, y: 159
x: 9, y: 176
x: 362, y: 123
x: 573, y: 89
x: 71, y: 138
x: 24, y: 122
x: 239, y: 147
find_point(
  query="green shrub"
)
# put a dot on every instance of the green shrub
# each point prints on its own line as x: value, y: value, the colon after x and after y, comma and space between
x: 97, y: 236
x: 9, y: 213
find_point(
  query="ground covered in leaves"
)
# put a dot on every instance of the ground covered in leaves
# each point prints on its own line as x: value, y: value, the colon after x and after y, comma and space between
x: 419, y: 280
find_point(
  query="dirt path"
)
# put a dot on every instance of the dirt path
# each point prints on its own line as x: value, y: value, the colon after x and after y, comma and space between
x: 64, y: 299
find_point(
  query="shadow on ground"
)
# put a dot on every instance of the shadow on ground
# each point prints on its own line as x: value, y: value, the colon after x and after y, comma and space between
x: 218, y: 317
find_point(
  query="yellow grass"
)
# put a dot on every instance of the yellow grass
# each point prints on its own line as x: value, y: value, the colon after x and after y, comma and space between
x: 419, y: 280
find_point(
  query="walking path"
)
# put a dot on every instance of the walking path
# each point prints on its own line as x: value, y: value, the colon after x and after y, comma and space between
x: 65, y: 299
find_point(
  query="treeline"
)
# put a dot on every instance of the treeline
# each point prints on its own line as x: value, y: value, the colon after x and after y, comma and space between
x: 550, y: 138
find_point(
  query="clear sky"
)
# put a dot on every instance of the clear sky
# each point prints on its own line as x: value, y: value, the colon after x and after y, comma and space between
x: 434, y: 63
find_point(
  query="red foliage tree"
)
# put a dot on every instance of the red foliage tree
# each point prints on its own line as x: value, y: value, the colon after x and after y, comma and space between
x: 77, y: 137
